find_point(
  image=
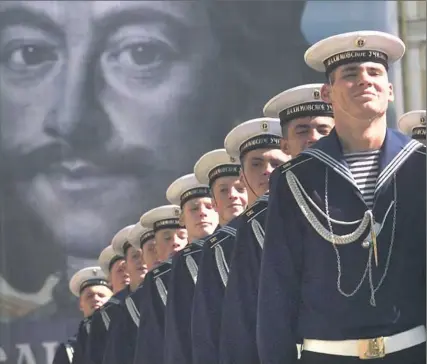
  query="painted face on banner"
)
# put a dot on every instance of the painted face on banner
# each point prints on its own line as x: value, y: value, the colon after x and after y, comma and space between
x: 95, y: 98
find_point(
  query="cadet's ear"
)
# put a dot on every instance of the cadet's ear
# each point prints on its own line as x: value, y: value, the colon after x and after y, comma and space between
x: 80, y: 304
x: 284, y: 146
x: 325, y: 93
x: 390, y: 93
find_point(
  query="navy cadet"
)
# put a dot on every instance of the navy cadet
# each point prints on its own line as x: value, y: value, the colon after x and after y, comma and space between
x: 170, y: 237
x: 344, y: 265
x: 121, y: 346
x: 200, y: 219
x: 304, y: 119
x: 413, y: 124
x: 137, y: 271
x: 91, y: 286
x: 113, y: 266
x: 258, y: 143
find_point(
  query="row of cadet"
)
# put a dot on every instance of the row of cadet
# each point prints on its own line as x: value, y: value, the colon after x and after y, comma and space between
x: 181, y: 285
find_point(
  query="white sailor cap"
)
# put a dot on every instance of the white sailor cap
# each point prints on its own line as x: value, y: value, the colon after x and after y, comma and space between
x: 253, y: 134
x: 186, y: 188
x: 139, y: 235
x: 107, y: 258
x: 163, y: 217
x: 86, y: 277
x: 360, y: 46
x: 413, y: 124
x: 120, y: 242
x: 298, y: 102
x: 215, y: 164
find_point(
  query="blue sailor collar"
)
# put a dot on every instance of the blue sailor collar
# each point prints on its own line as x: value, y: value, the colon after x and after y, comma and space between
x: 395, y: 150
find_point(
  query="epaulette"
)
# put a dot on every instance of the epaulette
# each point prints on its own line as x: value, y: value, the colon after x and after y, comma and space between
x: 114, y: 301
x: 421, y: 149
x: 194, y: 247
x: 226, y: 232
x: 302, y: 158
x: 161, y: 269
x: 258, y: 207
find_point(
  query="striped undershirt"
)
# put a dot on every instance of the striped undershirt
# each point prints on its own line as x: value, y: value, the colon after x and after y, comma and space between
x: 364, y: 167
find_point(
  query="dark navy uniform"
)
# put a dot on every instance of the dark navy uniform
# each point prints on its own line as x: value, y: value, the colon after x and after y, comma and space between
x: 182, y: 281
x: 81, y: 341
x: 149, y: 344
x: 313, y: 289
x: 65, y: 352
x: 122, y: 336
x: 101, y: 321
x: 238, y: 324
x: 209, y: 291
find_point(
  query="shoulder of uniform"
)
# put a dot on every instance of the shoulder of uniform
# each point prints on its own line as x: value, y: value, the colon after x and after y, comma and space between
x: 194, y: 247
x: 162, y: 268
x: 226, y: 232
x: 297, y: 161
x: 258, y: 207
x: 422, y: 149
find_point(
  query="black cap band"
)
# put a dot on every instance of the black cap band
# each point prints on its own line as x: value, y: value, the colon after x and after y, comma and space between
x: 419, y: 133
x: 194, y: 193
x: 315, y: 108
x: 93, y: 282
x: 149, y: 235
x: 171, y: 223
x: 223, y: 170
x: 113, y: 260
x: 260, y: 141
x: 342, y: 58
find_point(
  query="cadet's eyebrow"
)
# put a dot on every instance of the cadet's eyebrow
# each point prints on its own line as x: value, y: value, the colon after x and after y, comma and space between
x: 26, y: 16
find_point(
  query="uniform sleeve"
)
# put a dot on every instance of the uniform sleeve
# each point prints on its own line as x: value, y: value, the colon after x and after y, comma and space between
x: 206, y: 312
x: 149, y: 344
x: 178, y: 314
x: 119, y: 347
x: 280, y: 277
x: 62, y: 356
x: 96, y: 340
x: 239, y: 310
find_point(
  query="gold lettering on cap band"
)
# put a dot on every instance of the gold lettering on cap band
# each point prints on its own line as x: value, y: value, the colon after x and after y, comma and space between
x: 92, y: 282
x: 166, y: 224
x: 260, y: 141
x: 342, y: 58
x: 146, y: 237
x: 315, y: 108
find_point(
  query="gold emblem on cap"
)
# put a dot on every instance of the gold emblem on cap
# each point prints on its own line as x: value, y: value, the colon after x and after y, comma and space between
x: 316, y: 94
x: 176, y: 212
x: 264, y: 126
x: 360, y: 42
x: 423, y: 120
x: 232, y: 159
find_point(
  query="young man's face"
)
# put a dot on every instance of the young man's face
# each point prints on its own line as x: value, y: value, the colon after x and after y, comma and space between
x: 119, y: 277
x: 358, y: 91
x: 230, y: 198
x: 135, y: 266
x: 301, y: 133
x: 256, y: 169
x: 170, y: 241
x: 199, y: 217
x: 149, y: 254
x: 92, y: 298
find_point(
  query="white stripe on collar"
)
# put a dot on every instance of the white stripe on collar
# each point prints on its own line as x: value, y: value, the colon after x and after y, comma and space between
x: 332, y: 162
x: 396, y: 162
